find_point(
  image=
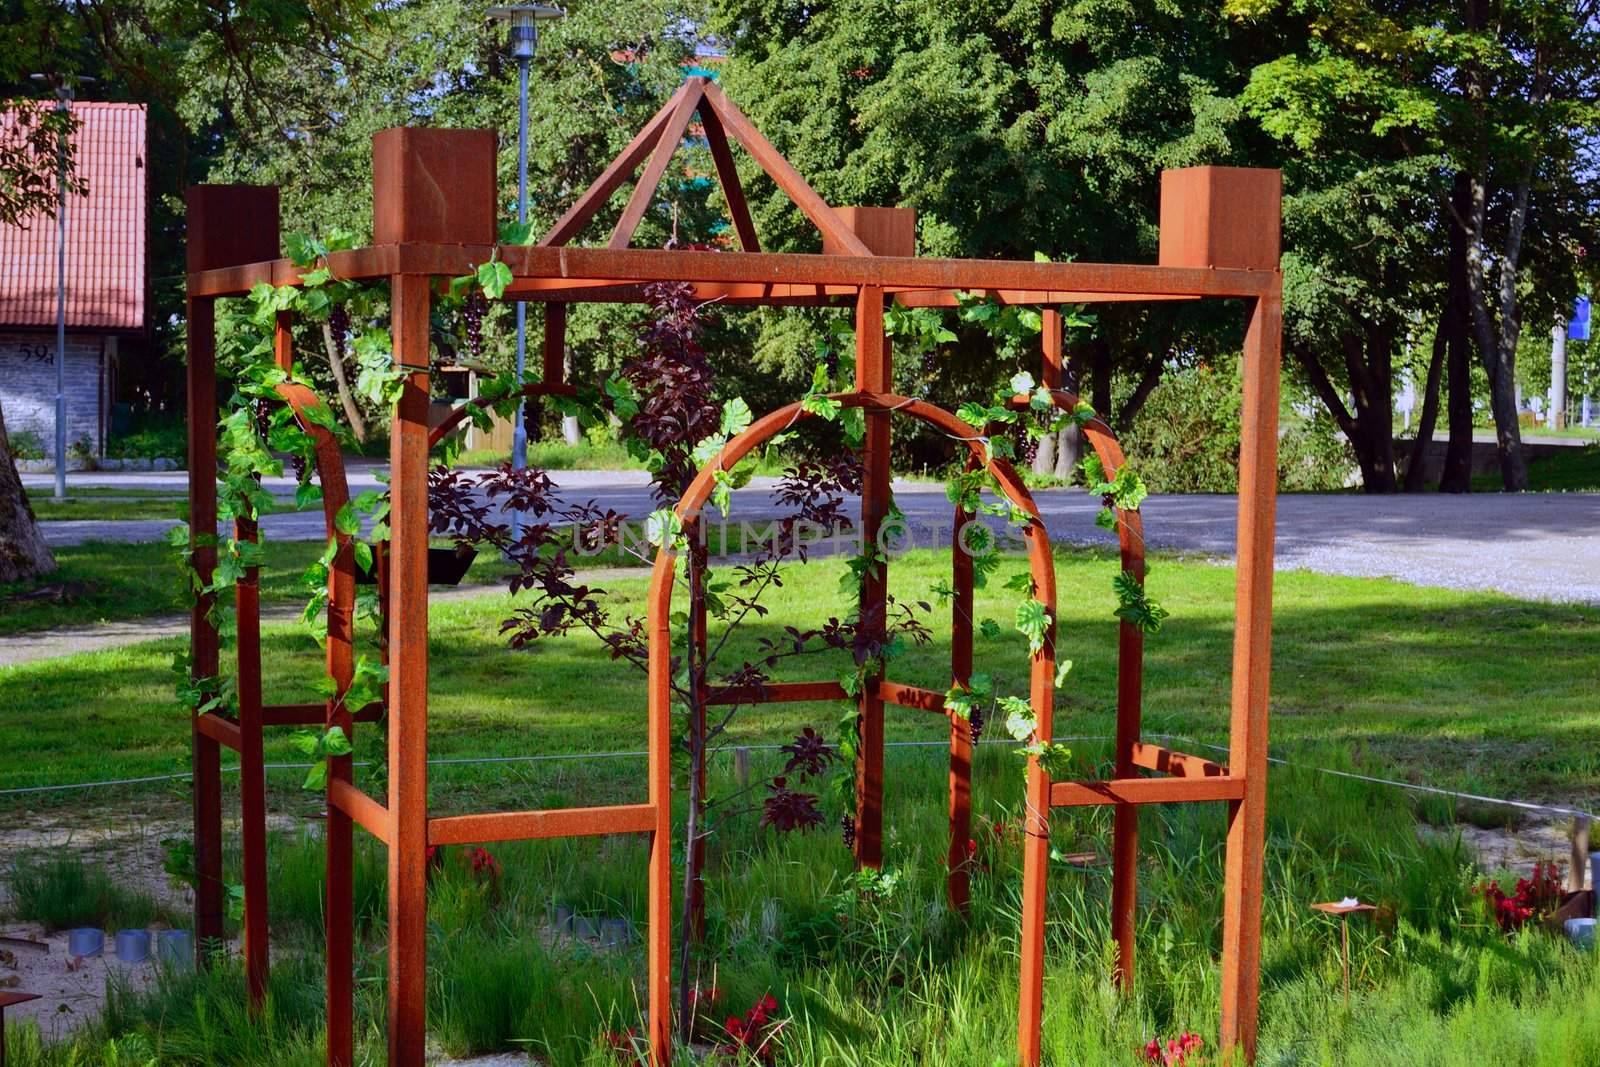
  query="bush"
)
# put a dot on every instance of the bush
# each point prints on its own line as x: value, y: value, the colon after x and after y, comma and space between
x: 153, y: 436
x: 25, y: 444
x: 1314, y: 457
x: 1186, y: 438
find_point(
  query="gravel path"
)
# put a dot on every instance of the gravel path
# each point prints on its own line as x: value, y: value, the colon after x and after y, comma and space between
x: 1538, y: 546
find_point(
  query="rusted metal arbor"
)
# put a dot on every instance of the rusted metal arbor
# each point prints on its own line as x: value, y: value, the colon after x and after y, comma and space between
x: 434, y: 208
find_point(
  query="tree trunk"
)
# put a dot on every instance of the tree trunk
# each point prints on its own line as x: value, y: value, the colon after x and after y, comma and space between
x: 1497, y: 341
x: 23, y: 551
x: 1370, y: 359
x: 1417, y: 464
x: 1148, y: 380
x: 1100, y: 377
x: 347, y: 399
x: 1069, y: 446
x: 1370, y: 428
x: 1456, y: 476
x: 1044, y: 457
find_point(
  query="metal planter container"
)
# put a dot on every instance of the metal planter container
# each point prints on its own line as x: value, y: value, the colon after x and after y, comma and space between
x: 175, y: 947
x: 133, y: 946
x: 85, y: 941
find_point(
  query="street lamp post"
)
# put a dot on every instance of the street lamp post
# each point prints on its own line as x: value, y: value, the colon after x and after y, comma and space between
x: 63, y: 88
x: 524, y: 21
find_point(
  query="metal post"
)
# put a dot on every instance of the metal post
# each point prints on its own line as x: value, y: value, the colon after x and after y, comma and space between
x: 524, y: 22
x: 63, y: 104
x: 1558, y: 377
x: 519, y: 432
x: 1252, y: 677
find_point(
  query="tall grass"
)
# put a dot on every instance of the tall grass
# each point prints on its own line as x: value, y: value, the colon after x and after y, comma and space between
x: 60, y: 891
x: 897, y: 978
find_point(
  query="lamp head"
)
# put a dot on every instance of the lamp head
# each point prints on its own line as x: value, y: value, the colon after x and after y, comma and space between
x: 64, y: 85
x: 524, y: 21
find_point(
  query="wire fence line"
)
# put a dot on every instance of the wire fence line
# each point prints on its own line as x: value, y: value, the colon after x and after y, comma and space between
x: 448, y: 761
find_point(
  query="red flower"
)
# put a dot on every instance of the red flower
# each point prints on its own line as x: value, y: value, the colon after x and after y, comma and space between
x: 1534, y: 896
x: 1176, y: 1051
x: 755, y: 1033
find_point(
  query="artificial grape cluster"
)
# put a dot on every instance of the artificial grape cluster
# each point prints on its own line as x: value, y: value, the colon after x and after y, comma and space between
x: 472, y: 310
x: 1027, y: 444
x: 339, y: 327
x: 975, y: 724
x: 847, y: 828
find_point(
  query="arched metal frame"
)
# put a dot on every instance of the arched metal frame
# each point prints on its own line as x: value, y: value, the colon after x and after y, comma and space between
x: 1035, y: 536
x: 245, y: 734
x: 434, y: 215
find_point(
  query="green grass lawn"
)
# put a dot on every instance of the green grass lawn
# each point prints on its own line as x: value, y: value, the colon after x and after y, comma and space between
x: 103, y: 581
x: 1466, y: 689
x: 1452, y: 688
x: 108, y: 504
x: 79, y: 507
x: 559, y: 456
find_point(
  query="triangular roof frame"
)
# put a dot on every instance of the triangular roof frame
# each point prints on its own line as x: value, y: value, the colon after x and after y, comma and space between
x: 660, y: 138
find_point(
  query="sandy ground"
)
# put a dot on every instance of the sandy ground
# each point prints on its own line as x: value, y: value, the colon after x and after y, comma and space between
x: 73, y: 990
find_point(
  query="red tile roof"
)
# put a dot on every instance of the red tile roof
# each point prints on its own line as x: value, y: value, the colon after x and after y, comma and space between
x: 106, y: 240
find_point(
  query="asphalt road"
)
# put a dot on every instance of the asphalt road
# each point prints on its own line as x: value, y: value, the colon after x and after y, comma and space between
x: 1541, y: 546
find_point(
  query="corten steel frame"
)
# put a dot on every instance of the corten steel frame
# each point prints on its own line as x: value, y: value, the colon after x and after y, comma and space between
x: 434, y: 217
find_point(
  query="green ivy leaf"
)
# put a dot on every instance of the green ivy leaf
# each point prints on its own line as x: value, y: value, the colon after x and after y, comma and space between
x: 624, y: 398
x: 854, y: 424
x: 1063, y: 669
x: 316, y: 777
x: 974, y: 414
x: 821, y: 405
x: 493, y: 277
x: 1020, y: 721
x: 335, y: 743
x: 736, y: 417
x: 1135, y: 606
x: 516, y: 233
x: 1033, y: 622
x: 663, y: 527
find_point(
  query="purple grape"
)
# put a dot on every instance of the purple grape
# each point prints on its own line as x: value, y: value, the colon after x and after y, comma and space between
x: 339, y: 326
x: 472, y: 311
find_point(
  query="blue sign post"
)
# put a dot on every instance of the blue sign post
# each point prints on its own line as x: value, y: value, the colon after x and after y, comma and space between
x: 1578, y: 325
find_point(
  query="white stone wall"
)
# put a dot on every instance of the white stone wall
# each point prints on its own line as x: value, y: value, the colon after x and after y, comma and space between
x: 28, y: 386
